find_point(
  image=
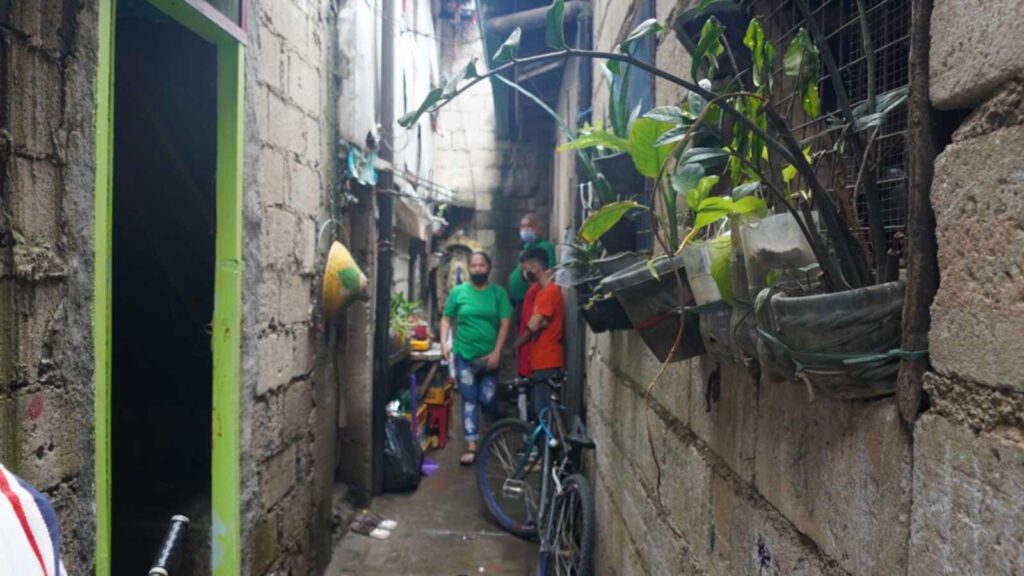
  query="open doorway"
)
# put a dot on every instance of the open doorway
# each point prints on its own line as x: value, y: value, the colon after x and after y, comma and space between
x: 163, y: 253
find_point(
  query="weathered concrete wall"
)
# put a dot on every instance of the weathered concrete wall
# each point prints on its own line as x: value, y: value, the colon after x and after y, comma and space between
x: 47, y: 80
x: 290, y: 391
x: 969, y: 447
x: 761, y: 480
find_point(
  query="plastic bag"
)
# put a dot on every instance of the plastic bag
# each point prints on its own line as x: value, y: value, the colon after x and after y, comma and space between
x: 403, y: 457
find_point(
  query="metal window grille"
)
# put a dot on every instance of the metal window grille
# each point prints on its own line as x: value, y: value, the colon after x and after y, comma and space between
x: 839, y: 20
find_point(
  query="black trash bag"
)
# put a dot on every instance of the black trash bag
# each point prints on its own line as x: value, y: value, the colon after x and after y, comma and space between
x: 403, y: 457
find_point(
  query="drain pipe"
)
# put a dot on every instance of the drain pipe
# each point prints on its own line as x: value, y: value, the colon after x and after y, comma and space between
x: 385, y: 245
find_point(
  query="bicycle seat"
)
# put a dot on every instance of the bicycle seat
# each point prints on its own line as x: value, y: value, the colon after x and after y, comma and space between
x: 578, y: 435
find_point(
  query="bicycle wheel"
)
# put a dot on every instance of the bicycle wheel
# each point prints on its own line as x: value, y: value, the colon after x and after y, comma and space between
x: 508, y: 475
x: 572, y: 542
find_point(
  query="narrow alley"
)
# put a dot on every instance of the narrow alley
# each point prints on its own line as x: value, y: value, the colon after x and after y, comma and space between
x: 511, y: 287
x: 443, y: 530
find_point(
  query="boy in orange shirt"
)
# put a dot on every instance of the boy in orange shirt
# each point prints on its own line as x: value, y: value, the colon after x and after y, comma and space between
x: 546, y: 325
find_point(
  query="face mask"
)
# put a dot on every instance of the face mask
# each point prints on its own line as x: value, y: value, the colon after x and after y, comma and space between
x: 528, y: 235
x: 479, y: 279
x: 531, y: 276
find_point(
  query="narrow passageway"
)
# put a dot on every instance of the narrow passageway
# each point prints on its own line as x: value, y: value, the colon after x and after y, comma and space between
x: 443, y: 530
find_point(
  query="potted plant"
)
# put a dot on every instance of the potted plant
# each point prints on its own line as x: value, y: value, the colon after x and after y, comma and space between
x: 404, y: 315
x: 599, y: 309
x: 732, y: 132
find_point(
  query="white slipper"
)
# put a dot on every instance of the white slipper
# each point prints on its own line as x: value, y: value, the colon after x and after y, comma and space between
x: 368, y: 530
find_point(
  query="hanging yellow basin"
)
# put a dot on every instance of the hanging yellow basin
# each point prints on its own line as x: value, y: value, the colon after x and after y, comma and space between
x: 344, y: 282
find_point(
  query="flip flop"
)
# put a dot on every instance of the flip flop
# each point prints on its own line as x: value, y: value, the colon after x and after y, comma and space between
x: 369, y: 529
x: 467, y: 459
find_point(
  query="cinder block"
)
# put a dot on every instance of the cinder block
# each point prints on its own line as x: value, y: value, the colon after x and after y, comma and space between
x: 50, y: 424
x: 275, y: 350
x: 298, y: 404
x: 267, y: 426
x: 272, y: 177
x: 305, y: 249
x: 288, y: 20
x: 278, y: 237
x: 746, y: 540
x: 978, y: 197
x: 271, y: 58
x: 40, y: 319
x: 730, y: 426
x: 975, y: 47
x: 269, y: 294
x: 672, y: 57
x: 35, y: 200
x: 303, y: 83
x: 266, y: 543
x: 304, y: 196
x: 286, y: 125
x: 304, y: 357
x: 35, y: 111
x: 297, y: 521
x: 295, y: 299
x: 968, y: 515
x: 277, y: 477
x: 839, y: 472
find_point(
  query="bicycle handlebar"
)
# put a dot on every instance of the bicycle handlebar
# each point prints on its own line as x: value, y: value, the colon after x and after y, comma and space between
x: 169, y: 547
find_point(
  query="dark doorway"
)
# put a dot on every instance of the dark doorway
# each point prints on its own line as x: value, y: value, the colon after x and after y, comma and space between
x: 162, y: 285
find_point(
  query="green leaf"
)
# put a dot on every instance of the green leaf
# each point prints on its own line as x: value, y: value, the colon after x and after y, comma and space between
x: 700, y: 192
x: 648, y: 27
x: 754, y: 41
x: 666, y: 114
x: 555, y: 31
x: 720, y: 249
x: 712, y: 210
x: 885, y: 104
x: 468, y: 72
x: 801, y: 63
x: 596, y: 137
x: 707, y: 157
x: 788, y: 173
x: 745, y: 189
x: 508, y: 49
x: 653, y: 270
x: 433, y: 97
x: 703, y: 5
x: 673, y: 135
x: 648, y: 157
x: 613, y: 66
x: 605, y: 218
x: 709, y: 47
x: 686, y: 180
x: 749, y: 205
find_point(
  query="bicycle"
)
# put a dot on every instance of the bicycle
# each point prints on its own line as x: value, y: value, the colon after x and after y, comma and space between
x: 169, y: 546
x: 529, y: 479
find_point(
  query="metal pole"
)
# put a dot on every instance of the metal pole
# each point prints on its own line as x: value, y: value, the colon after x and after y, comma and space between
x: 385, y: 246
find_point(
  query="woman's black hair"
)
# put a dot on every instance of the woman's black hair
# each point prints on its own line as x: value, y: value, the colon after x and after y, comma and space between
x: 485, y: 256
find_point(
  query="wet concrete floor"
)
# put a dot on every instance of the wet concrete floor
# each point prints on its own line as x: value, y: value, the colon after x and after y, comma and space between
x: 444, y: 530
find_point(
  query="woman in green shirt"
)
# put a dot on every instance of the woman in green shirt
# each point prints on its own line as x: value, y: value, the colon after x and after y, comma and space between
x: 482, y: 315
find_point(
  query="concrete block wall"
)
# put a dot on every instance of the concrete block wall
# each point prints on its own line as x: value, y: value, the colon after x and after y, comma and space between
x: 47, y: 81
x: 290, y: 397
x: 758, y: 479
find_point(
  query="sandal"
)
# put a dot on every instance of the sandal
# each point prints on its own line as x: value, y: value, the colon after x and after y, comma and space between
x: 376, y: 520
x: 468, y: 458
x: 369, y: 529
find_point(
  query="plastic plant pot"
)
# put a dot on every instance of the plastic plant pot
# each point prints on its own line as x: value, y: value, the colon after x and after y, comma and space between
x: 774, y: 250
x: 615, y: 262
x: 657, y: 309
x: 603, y: 313
x: 708, y: 270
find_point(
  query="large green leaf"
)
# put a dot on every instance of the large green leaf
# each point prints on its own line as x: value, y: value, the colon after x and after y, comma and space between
x: 648, y: 27
x: 749, y: 205
x: 433, y: 97
x: 712, y: 210
x: 802, y: 64
x: 508, y: 49
x: 647, y: 156
x: 709, y: 47
x: 674, y: 135
x: 745, y: 189
x: 701, y: 192
x: 707, y: 157
x: 594, y: 137
x: 666, y: 114
x: 754, y: 41
x: 605, y: 218
x: 555, y: 31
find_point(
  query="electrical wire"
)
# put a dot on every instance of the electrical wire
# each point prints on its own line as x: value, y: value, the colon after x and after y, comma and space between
x: 404, y: 28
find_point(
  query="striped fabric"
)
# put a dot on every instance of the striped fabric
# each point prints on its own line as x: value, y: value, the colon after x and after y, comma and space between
x: 29, y: 533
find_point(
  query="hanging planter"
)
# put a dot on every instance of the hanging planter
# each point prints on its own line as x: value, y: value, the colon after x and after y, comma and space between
x: 601, y: 311
x: 649, y: 293
x: 844, y: 345
x: 625, y: 182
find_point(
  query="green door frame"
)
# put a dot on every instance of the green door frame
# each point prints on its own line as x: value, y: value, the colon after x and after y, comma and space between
x: 227, y: 308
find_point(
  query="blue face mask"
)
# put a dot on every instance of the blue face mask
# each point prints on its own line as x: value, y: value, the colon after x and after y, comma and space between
x: 528, y: 235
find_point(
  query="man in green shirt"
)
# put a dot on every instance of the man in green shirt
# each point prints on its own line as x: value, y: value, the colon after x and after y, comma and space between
x: 532, y: 234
